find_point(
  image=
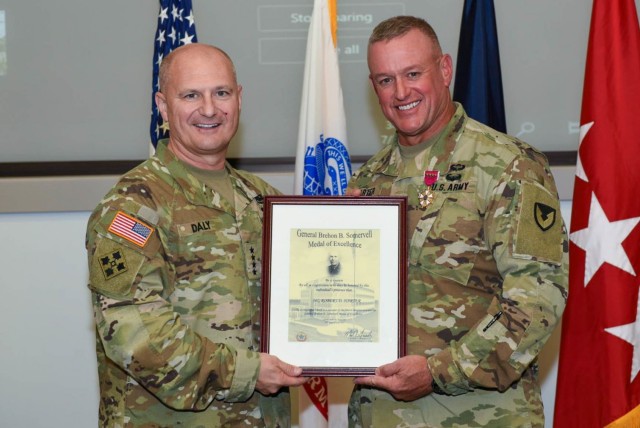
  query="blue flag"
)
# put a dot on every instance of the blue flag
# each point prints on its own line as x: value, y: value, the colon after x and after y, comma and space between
x: 478, y: 84
x: 176, y: 27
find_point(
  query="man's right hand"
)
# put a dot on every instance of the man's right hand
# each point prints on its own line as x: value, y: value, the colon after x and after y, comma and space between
x: 274, y: 374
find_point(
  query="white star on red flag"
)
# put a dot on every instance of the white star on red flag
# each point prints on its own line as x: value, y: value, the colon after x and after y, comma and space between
x: 584, y: 130
x: 630, y: 333
x: 602, y: 241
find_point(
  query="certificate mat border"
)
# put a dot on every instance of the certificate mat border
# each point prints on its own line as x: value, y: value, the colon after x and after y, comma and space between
x: 283, y: 213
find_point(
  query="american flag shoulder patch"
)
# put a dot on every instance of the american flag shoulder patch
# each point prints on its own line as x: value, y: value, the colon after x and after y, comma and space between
x: 130, y: 229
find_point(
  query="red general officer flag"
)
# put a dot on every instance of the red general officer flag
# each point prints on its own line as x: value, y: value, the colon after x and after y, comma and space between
x: 598, y: 382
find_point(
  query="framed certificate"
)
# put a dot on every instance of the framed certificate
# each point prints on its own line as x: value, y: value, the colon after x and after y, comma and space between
x: 334, y: 282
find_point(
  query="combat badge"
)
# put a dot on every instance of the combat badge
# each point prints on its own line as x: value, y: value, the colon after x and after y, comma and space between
x: 113, y: 264
x: 454, y: 172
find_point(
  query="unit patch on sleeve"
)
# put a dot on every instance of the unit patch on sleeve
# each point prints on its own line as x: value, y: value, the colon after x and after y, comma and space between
x: 114, y: 267
x: 544, y: 215
x: 131, y: 229
x: 539, y: 231
x: 113, y: 264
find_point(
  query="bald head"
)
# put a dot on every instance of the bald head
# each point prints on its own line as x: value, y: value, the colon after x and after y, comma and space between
x: 175, y: 57
x: 200, y: 99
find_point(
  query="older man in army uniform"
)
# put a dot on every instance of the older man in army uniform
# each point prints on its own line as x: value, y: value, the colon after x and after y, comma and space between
x: 174, y: 255
x: 488, y: 250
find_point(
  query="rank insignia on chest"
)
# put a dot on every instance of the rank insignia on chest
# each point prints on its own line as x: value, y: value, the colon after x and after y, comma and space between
x: 113, y: 264
x: 254, y: 265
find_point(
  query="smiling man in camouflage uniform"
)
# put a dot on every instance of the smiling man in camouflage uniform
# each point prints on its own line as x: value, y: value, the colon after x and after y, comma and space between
x: 174, y: 258
x: 487, y: 250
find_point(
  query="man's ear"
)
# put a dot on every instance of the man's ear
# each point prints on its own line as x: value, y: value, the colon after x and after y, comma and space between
x: 446, y: 68
x: 161, y: 103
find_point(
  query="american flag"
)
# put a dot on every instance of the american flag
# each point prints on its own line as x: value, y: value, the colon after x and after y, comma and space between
x: 176, y: 27
x: 130, y: 229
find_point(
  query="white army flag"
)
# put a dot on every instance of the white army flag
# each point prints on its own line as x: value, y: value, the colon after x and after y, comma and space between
x: 323, y: 166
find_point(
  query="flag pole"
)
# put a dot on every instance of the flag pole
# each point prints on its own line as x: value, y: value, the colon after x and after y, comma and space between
x: 323, y: 165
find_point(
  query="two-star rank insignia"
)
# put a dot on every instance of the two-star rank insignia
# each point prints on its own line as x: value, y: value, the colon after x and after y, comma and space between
x: 113, y: 264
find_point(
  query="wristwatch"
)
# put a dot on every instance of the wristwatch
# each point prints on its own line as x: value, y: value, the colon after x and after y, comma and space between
x: 435, y: 388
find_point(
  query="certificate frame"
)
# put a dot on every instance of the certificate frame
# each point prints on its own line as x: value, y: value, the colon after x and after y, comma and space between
x: 334, y: 322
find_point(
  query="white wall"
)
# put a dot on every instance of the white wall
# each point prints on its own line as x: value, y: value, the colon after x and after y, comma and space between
x: 47, y: 361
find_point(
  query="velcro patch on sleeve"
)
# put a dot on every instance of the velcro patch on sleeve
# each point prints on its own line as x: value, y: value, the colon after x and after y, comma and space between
x: 539, y: 231
x: 114, y: 268
x: 131, y: 229
x: 113, y: 263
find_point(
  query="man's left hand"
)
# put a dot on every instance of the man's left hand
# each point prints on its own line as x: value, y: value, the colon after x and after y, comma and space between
x: 407, y: 379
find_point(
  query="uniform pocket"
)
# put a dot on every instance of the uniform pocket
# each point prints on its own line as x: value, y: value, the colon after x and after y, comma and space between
x: 454, y: 236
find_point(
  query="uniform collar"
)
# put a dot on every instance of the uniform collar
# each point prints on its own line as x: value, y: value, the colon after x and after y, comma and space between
x: 197, y: 192
x: 435, y: 157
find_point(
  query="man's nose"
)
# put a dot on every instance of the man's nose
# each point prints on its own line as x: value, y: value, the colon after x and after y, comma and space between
x: 402, y: 91
x: 208, y: 107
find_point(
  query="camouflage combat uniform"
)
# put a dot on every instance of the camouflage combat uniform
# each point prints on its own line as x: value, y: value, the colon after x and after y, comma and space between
x: 487, y: 279
x: 175, y: 280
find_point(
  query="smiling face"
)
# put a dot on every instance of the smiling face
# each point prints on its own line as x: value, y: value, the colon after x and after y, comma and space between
x: 200, y: 99
x: 411, y: 78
